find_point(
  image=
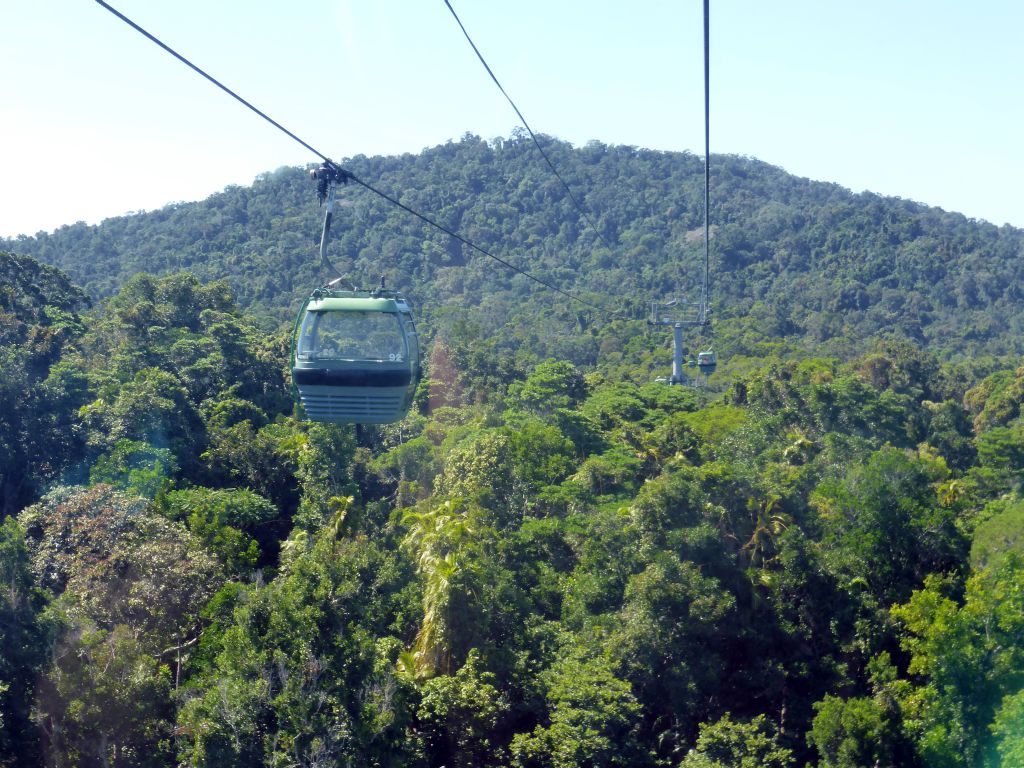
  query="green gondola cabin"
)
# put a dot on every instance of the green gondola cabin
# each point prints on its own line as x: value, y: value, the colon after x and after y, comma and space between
x: 707, y: 361
x: 355, y: 357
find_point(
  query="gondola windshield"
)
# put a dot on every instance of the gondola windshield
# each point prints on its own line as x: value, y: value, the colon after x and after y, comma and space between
x: 366, y: 336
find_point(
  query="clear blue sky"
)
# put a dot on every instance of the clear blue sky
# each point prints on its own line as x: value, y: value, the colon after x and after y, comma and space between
x: 913, y: 98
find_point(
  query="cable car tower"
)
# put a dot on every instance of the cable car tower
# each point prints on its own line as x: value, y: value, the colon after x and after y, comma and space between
x: 681, y: 314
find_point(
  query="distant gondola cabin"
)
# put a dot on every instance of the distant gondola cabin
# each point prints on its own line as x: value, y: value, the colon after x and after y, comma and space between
x: 706, y: 361
x: 355, y: 357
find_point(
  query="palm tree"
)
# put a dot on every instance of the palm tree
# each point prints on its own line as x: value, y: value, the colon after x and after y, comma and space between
x: 767, y: 525
x: 438, y: 536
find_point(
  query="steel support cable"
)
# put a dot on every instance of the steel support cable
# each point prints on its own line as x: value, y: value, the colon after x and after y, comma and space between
x: 477, y: 248
x: 212, y: 79
x: 706, y: 289
x: 551, y: 165
x: 348, y: 176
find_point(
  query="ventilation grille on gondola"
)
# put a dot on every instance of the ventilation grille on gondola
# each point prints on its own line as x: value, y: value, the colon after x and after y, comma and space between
x: 355, y: 408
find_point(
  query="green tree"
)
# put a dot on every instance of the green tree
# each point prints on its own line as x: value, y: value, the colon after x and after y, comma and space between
x: 442, y: 539
x: 731, y: 744
x: 234, y: 524
x: 1008, y: 729
x: 324, y: 471
x: 968, y: 659
x: 670, y: 639
x: 1001, y: 450
x: 458, y: 716
x: 262, y: 459
x: 552, y: 385
x: 107, y: 701
x: 479, y: 469
x: 152, y: 408
x: 38, y: 324
x: 24, y: 635
x: 852, y: 733
x: 1000, y: 536
x: 304, y: 671
x: 592, y: 719
x: 135, y: 467
x: 884, y: 523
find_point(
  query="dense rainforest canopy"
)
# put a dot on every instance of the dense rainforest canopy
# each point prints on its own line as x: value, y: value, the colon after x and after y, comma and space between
x: 553, y: 561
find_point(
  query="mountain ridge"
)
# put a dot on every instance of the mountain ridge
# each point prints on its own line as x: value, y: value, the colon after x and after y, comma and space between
x: 802, y: 260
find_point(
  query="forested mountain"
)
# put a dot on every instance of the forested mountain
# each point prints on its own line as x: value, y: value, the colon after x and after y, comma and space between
x: 802, y: 262
x: 553, y: 561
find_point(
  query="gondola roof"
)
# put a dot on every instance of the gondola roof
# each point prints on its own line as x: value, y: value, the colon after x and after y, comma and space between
x: 352, y: 303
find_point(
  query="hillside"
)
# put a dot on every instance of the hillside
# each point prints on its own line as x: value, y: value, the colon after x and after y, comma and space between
x: 805, y: 263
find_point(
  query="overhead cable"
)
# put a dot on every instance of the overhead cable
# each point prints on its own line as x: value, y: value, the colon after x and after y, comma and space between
x: 346, y: 174
x: 705, y: 298
x: 533, y: 136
